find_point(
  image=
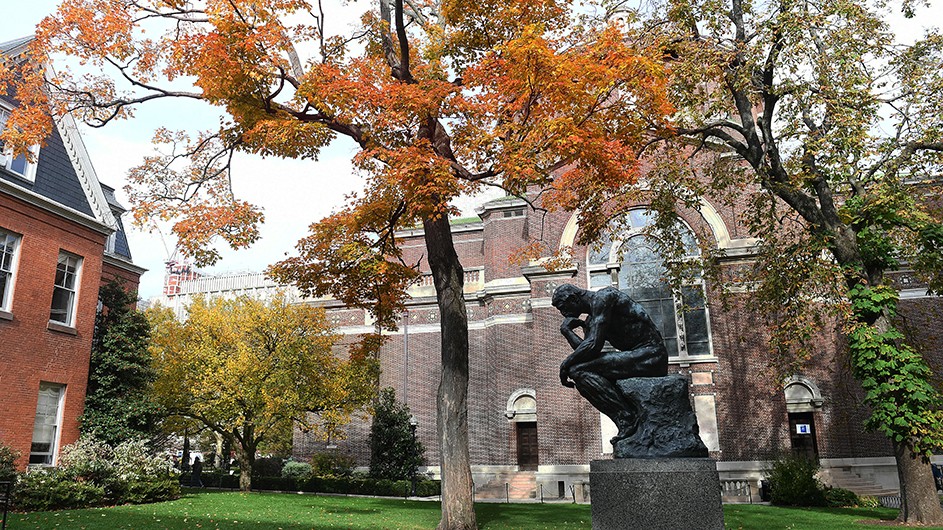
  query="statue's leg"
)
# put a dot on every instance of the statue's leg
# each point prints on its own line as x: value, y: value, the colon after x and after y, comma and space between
x: 607, y: 398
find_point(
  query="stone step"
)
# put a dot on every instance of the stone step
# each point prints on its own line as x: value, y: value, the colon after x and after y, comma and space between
x: 846, y: 479
x: 521, y: 485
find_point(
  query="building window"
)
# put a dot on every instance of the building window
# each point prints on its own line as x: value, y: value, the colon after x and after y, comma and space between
x: 46, y: 427
x: 631, y: 262
x: 63, y: 295
x: 9, y: 243
x: 17, y: 164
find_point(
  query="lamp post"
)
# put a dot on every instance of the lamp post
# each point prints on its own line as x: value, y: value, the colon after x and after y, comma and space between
x: 413, y: 423
x: 406, y: 358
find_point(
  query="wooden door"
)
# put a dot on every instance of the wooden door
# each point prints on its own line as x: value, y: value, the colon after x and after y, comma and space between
x: 527, y: 448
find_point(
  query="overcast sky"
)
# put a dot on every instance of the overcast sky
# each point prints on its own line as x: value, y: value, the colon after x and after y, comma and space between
x: 293, y: 193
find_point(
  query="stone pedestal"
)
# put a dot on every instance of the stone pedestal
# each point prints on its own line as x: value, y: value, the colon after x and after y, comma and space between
x: 656, y: 494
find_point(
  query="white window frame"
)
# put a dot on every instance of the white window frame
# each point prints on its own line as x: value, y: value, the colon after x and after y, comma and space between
x: 6, y: 297
x: 51, y: 456
x: 73, y: 290
x: 6, y: 155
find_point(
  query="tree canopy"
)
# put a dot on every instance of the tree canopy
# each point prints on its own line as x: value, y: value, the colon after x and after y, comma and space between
x: 441, y: 98
x: 251, y: 370
x: 818, y: 124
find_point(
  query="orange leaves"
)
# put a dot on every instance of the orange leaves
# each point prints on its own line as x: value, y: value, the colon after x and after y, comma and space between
x: 352, y: 256
x: 90, y: 29
x: 551, y: 104
x: 189, y: 183
x: 29, y: 123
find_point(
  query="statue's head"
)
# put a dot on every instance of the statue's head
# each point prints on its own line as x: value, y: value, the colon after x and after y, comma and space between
x: 568, y: 298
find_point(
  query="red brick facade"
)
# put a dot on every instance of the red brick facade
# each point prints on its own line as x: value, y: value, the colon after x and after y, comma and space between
x: 35, y: 351
x: 515, y: 345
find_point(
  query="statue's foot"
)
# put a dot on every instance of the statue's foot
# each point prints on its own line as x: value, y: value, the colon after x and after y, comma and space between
x: 625, y: 431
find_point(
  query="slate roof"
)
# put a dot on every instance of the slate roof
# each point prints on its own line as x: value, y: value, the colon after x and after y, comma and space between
x: 121, y: 237
x: 15, y: 44
x: 64, y: 173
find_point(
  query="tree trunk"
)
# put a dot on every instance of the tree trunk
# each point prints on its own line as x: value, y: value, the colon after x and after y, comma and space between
x: 245, y: 451
x: 919, y: 501
x: 458, y: 508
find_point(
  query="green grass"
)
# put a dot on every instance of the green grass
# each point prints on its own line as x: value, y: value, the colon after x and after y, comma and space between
x: 270, y: 511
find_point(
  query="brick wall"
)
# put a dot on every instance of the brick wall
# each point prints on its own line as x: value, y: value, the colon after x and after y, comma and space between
x: 29, y: 352
x: 515, y: 344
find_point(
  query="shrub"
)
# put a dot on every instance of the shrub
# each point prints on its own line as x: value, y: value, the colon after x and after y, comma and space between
x: 333, y: 464
x: 53, y: 489
x: 91, y: 473
x: 871, y: 502
x: 8, y: 459
x: 296, y: 470
x: 840, y: 498
x: 152, y: 490
x: 395, y: 453
x: 267, y: 467
x: 793, y: 483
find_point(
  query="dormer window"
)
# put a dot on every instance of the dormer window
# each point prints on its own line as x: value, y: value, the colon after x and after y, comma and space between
x: 18, y: 165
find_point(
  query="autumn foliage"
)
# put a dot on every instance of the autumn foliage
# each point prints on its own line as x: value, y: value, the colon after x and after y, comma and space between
x: 251, y: 371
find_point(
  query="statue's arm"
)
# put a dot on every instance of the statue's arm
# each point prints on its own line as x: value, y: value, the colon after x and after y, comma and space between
x: 567, y: 329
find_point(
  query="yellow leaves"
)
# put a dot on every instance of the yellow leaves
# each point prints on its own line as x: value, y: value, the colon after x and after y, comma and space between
x: 245, y: 361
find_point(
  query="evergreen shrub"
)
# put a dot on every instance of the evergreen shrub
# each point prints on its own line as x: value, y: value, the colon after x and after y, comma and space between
x: 793, y: 483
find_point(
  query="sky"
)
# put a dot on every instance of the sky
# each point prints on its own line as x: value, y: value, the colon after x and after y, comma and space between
x: 293, y: 193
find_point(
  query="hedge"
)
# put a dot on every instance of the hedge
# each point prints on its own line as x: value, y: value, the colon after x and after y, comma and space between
x: 328, y: 484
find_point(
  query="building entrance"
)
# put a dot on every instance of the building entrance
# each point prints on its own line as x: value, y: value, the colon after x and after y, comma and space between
x: 527, y: 448
x: 802, y: 435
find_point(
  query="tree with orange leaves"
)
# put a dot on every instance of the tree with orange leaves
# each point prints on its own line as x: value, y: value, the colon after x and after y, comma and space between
x: 442, y: 98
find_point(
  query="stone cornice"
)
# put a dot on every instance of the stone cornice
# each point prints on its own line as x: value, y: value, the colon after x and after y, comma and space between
x: 121, y: 263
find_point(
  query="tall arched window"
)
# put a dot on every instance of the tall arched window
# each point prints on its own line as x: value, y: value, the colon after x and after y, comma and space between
x: 630, y: 262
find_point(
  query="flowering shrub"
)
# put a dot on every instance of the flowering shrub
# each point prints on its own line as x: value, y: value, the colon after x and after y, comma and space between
x: 92, y: 473
x: 7, y: 462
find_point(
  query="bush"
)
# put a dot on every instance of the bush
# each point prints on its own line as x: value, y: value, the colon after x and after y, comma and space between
x: 8, y: 459
x: 148, y: 491
x: 296, y: 470
x: 841, y: 498
x: 395, y: 453
x: 793, y: 483
x: 53, y: 489
x: 332, y: 464
x: 872, y: 502
x: 267, y: 467
x: 91, y: 473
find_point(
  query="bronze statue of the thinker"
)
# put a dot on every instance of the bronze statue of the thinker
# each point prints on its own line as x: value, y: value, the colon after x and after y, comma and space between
x: 638, y: 350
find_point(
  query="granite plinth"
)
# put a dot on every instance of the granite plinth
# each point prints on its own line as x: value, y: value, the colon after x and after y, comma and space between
x: 656, y: 494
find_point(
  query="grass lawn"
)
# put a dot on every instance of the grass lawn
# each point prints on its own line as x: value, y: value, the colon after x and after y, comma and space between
x: 271, y: 511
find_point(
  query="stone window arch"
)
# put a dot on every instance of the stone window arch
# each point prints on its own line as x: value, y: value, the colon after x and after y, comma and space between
x: 630, y: 261
x: 802, y: 395
x: 522, y: 406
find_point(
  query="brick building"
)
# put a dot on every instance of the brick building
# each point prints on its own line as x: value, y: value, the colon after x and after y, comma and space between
x: 61, y: 238
x: 522, y: 419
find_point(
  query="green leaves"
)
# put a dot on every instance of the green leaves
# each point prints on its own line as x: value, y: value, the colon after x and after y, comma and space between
x: 905, y: 406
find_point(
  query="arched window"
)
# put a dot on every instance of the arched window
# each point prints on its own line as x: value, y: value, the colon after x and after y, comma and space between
x: 630, y: 262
